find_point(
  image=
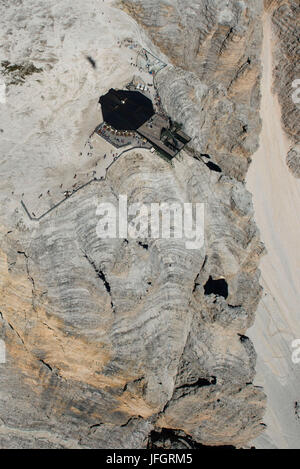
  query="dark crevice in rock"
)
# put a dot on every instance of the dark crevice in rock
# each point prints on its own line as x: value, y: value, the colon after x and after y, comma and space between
x: 224, y: 43
x: 135, y: 381
x: 217, y: 287
x: 47, y: 365
x: 204, y: 262
x: 27, y: 267
x: 143, y: 245
x: 102, y: 276
x: 213, y: 167
x: 190, y: 388
x: 240, y: 71
x: 96, y: 425
x: 167, y: 438
x: 92, y: 429
x: 23, y: 253
x: 16, y: 332
x: 196, y: 284
x: 26, y: 257
x: 201, y: 382
x: 55, y: 371
x: 175, y: 389
x: 13, y: 329
x: 243, y: 338
x: 297, y: 409
x: 131, y: 419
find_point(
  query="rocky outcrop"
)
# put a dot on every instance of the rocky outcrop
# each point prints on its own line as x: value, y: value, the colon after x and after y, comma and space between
x: 293, y: 160
x: 214, y: 88
x: 110, y: 340
x: 285, y: 19
x: 106, y: 331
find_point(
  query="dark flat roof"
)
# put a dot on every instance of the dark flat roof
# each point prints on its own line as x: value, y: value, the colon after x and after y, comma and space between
x: 158, y: 132
x: 126, y: 110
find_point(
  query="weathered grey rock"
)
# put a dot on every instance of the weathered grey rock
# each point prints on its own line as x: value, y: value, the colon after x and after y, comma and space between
x: 108, y: 340
x: 293, y: 160
x: 214, y: 88
x: 285, y: 19
x: 122, y: 347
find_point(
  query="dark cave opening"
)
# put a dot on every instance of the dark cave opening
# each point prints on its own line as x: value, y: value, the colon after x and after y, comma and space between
x: 200, y: 383
x: 217, y: 287
x: 172, y: 439
x: 243, y: 338
x: 143, y: 245
x: 213, y: 167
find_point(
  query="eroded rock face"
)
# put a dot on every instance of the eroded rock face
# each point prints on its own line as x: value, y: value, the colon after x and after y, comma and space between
x: 118, y: 330
x: 214, y: 88
x: 194, y: 35
x: 293, y: 160
x: 286, y: 19
x: 110, y: 340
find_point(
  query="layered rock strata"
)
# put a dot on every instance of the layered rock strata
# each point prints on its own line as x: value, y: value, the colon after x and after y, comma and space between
x: 107, y: 340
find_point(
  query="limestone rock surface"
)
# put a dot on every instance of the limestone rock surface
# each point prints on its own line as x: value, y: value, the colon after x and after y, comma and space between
x: 108, y: 341
x: 215, y: 48
x: 286, y: 20
x: 293, y: 160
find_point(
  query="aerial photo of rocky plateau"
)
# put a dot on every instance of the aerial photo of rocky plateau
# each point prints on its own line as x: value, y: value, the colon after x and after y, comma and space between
x: 150, y: 227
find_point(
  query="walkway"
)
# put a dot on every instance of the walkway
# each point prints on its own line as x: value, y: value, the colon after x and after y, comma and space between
x: 76, y: 190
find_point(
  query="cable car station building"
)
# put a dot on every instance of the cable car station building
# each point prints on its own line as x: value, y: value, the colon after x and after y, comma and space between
x: 132, y: 111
